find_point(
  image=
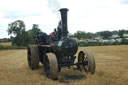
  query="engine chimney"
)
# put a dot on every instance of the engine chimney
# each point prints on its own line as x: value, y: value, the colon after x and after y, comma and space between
x: 63, y: 12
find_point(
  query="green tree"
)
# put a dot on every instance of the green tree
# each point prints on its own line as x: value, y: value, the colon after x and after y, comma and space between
x: 33, y: 32
x: 106, y: 34
x: 79, y: 34
x: 90, y: 35
x: 83, y: 35
x: 17, y: 30
x: 16, y: 27
x: 120, y: 33
x: 114, y: 32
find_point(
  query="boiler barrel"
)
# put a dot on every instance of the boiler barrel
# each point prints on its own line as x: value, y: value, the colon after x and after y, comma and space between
x: 67, y: 47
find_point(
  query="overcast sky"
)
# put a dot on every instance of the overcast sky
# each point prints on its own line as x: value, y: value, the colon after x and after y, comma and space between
x: 84, y: 15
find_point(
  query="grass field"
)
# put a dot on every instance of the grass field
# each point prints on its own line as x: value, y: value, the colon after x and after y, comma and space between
x: 6, y: 43
x: 111, y: 69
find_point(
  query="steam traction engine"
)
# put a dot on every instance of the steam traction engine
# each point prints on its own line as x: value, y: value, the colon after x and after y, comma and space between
x: 57, y: 50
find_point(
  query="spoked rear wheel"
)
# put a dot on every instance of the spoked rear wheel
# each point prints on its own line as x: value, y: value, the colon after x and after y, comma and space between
x: 86, y: 62
x: 51, y: 66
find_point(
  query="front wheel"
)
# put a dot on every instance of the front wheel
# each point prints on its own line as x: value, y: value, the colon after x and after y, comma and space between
x: 86, y: 61
x: 51, y: 66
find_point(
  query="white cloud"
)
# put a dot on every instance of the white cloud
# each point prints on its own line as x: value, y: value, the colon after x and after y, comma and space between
x: 86, y: 15
x: 124, y: 1
x: 98, y: 15
x: 30, y: 11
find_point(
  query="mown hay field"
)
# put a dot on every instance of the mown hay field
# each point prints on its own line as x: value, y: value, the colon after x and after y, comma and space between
x: 111, y: 69
x: 6, y: 43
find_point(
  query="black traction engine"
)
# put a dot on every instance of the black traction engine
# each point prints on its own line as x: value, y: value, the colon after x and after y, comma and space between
x: 58, y: 50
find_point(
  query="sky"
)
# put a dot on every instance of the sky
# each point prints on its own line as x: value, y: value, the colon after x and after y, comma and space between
x: 84, y: 15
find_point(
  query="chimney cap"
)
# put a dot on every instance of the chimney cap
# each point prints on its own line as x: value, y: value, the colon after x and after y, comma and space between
x: 63, y: 9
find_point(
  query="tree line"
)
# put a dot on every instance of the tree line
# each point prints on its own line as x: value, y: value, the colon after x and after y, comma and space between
x: 21, y: 37
x: 104, y: 34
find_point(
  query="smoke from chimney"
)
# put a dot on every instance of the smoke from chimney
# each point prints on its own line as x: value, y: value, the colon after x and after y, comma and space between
x: 54, y: 5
